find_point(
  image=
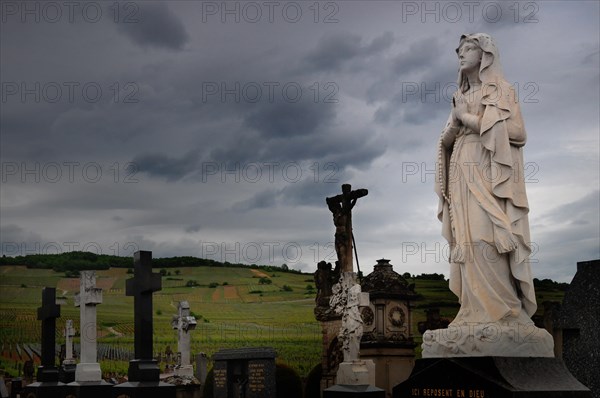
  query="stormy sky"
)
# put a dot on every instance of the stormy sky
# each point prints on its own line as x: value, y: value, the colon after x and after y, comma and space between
x: 217, y: 129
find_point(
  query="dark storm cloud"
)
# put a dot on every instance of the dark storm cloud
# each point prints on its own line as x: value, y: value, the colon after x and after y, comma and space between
x: 263, y: 200
x: 334, y: 51
x: 163, y: 166
x: 286, y: 118
x: 155, y: 25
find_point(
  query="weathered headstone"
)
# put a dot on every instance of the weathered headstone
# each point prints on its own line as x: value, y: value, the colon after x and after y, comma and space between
x: 184, y: 323
x: 144, y: 381
x: 47, y: 384
x: 579, y: 320
x: 88, y: 375
x: 244, y: 372
x: 67, y: 369
x: 201, y: 367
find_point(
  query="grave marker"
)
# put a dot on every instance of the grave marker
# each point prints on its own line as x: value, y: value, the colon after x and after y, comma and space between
x: 88, y: 375
x: 143, y: 370
x: 47, y: 384
x: 245, y: 372
x: 184, y: 323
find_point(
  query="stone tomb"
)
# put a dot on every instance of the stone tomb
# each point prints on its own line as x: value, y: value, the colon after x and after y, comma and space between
x: 491, y: 377
x: 244, y: 372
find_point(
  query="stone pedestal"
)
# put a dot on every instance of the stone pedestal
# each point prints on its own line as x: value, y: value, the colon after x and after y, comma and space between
x: 66, y: 373
x: 356, y: 379
x: 393, y: 362
x: 504, y: 377
x: 359, y: 372
x: 44, y: 389
x: 488, y: 339
x: 343, y: 391
x: 89, y: 389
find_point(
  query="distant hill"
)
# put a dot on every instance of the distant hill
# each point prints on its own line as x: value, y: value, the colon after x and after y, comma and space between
x: 79, y: 261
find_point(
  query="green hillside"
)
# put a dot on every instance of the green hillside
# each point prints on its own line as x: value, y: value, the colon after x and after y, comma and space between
x: 234, y: 306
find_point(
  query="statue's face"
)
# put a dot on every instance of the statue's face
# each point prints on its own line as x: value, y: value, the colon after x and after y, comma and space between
x: 469, y: 56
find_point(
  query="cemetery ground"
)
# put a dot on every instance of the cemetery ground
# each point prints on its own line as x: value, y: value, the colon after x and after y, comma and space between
x: 234, y: 307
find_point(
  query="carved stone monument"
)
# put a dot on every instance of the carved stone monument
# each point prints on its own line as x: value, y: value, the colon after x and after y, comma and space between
x: 354, y: 376
x: 184, y: 323
x: 47, y: 384
x: 387, y: 337
x: 88, y: 375
x: 67, y: 369
x: 492, y: 348
x: 143, y: 371
x: 245, y: 372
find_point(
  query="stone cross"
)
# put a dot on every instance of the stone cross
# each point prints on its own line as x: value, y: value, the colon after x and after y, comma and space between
x: 341, y: 208
x: 184, y: 323
x: 87, y: 299
x: 69, y: 333
x: 141, y: 287
x: 48, y: 313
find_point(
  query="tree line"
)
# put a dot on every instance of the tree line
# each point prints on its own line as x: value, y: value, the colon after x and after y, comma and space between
x: 80, y: 261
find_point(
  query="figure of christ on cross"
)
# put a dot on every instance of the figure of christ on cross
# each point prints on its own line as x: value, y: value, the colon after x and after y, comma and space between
x: 141, y: 287
x: 341, y: 208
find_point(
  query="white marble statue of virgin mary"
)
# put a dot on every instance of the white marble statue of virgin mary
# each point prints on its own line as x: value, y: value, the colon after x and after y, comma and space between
x: 484, y: 212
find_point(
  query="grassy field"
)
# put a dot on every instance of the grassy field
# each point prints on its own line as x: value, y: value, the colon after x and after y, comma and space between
x: 236, y: 311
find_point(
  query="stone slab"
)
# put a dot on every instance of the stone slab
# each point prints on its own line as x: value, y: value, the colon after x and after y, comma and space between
x: 90, y: 389
x: 48, y: 389
x: 144, y: 389
x: 344, y: 391
x: 491, y: 377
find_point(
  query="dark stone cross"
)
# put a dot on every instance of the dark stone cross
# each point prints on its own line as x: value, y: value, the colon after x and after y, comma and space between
x: 341, y: 208
x: 48, y: 313
x: 144, y: 373
x: 141, y: 287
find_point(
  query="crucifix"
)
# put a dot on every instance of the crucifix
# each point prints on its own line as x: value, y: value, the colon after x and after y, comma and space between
x: 184, y: 323
x: 141, y: 287
x: 48, y: 313
x: 341, y: 208
x: 87, y: 299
